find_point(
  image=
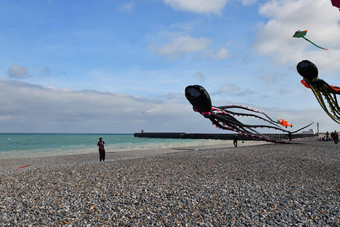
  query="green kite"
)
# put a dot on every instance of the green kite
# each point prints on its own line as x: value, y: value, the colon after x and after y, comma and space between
x: 301, y: 34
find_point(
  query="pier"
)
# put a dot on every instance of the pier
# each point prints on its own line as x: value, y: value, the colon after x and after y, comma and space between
x: 217, y: 136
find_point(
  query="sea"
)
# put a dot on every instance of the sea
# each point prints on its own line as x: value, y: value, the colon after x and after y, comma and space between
x: 25, y: 145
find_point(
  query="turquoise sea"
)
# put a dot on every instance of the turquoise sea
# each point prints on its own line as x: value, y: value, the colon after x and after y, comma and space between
x: 19, y: 145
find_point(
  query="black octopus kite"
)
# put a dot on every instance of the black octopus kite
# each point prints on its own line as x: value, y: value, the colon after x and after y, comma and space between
x: 223, y: 118
x: 323, y: 92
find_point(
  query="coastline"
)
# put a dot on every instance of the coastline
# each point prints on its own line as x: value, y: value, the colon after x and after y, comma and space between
x: 11, y: 164
x: 40, y: 145
x: 271, y: 184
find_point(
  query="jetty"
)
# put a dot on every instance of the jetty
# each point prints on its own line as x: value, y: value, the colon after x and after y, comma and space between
x: 217, y: 136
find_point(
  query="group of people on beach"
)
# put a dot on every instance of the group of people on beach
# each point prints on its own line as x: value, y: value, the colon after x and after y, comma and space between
x: 333, y: 136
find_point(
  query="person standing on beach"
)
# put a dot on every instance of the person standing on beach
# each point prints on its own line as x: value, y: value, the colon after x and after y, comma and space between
x: 335, y: 137
x: 101, y: 149
x: 235, y: 140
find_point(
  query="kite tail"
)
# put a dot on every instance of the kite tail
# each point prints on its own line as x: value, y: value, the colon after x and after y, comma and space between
x: 314, y: 43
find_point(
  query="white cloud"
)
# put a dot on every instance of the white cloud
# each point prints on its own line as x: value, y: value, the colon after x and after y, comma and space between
x: 128, y: 6
x: 227, y: 88
x: 227, y: 93
x: 246, y: 92
x: 198, y: 6
x: 183, y: 45
x: 248, y: 2
x: 46, y: 71
x: 5, y: 117
x: 287, y: 16
x: 199, y: 76
x: 17, y: 71
x: 221, y: 53
x: 31, y: 108
x: 182, y: 26
x: 269, y: 78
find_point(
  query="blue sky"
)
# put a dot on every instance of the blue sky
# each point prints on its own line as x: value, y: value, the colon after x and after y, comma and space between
x: 122, y: 66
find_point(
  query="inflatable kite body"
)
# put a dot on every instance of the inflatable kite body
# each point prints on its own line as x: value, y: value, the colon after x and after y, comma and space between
x: 336, y: 3
x: 324, y: 93
x: 302, y: 34
x: 224, y: 117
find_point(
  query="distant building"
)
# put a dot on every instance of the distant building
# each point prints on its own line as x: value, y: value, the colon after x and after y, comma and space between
x: 310, y: 131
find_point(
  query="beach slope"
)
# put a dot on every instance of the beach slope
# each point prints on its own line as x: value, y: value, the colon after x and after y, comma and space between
x: 272, y: 184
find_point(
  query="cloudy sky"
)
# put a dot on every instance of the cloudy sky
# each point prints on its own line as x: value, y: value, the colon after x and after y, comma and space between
x: 114, y: 66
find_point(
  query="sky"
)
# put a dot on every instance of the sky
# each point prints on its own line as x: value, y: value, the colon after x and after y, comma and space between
x: 114, y: 66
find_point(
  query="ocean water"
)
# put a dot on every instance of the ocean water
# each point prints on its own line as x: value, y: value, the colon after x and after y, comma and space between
x: 20, y: 145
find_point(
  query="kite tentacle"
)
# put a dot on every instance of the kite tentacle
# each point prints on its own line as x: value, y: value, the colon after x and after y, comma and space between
x: 223, y: 118
x: 242, y: 130
x: 252, y: 115
x: 270, y: 121
x: 321, y: 92
x: 227, y: 119
x: 254, y: 134
x: 229, y: 113
x: 246, y: 108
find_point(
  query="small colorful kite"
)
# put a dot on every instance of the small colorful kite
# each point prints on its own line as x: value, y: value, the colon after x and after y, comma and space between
x: 336, y: 3
x: 284, y: 123
x: 301, y: 34
x: 323, y: 92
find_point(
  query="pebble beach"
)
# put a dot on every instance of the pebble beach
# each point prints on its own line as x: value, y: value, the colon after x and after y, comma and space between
x: 258, y: 185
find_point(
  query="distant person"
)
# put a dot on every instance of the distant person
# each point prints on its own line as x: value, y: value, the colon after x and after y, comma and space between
x: 235, y: 140
x: 335, y: 137
x: 327, y: 136
x: 101, y: 149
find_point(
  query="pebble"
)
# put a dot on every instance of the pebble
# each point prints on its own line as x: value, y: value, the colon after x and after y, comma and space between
x: 265, y: 185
